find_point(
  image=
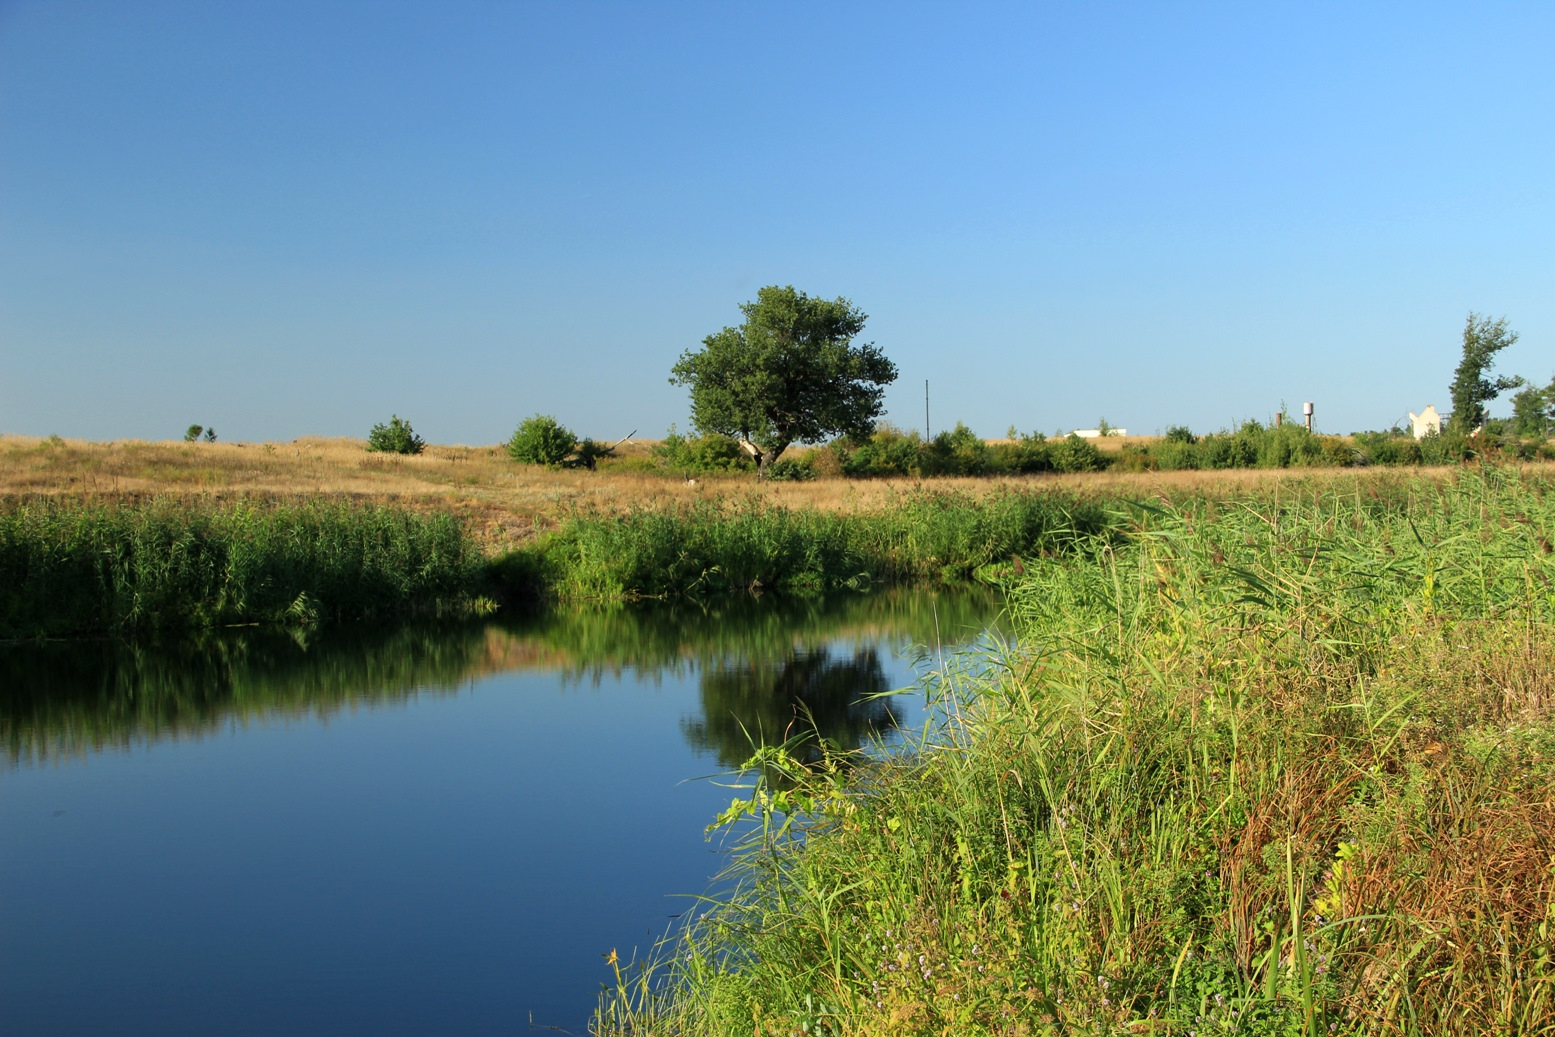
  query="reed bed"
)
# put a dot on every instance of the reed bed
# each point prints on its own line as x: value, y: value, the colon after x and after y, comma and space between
x: 70, y: 567
x: 714, y: 546
x: 1271, y: 765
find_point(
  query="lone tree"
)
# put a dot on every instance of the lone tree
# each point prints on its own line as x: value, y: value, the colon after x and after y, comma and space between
x: 789, y: 374
x: 1472, y: 386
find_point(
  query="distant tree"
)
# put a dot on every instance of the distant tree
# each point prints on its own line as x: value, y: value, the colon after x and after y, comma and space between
x: 1180, y: 434
x: 1531, y: 409
x: 397, y: 437
x: 789, y: 374
x: 1472, y: 386
x: 210, y: 435
x: 541, y: 440
x: 192, y: 433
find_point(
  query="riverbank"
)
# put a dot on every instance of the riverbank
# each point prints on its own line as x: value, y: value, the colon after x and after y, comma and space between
x: 118, y: 568
x: 122, y: 565
x: 505, y: 506
x: 1264, y: 765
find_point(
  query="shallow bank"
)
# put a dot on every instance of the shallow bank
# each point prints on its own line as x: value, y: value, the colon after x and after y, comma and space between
x: 1266, y: 768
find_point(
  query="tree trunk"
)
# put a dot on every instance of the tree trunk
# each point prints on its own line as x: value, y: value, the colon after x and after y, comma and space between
x: 763, y: 458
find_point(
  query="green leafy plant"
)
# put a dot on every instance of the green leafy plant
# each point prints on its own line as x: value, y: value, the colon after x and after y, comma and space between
x: 192, y: 433
x: 542, y: 440
x: 397, y: 437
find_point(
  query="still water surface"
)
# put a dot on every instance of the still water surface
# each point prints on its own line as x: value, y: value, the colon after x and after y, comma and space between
x: 415, y: 831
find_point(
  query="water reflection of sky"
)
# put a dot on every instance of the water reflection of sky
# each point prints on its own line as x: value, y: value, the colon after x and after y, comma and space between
x: 404, y: 832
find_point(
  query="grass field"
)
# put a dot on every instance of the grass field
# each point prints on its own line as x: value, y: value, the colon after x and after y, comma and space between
x: 503, y: 505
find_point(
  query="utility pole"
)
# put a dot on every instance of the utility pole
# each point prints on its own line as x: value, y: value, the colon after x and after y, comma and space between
x: 925, y: 410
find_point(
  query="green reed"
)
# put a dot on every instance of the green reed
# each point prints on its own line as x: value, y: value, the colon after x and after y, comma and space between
x: 69, y: 567
x: 715, y: 547
x: 1282, y: 764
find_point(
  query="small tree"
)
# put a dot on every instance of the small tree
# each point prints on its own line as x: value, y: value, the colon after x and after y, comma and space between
x: 397, y: 437
x: 210, y: 435
x: 789, y: 374
x: 192, y: 433
x: 541, y: 440
x: 1472, y: 386
x: 1531, y: 410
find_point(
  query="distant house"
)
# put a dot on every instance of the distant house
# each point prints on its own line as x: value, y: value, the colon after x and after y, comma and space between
x: 1426, y: 422
x: 1096, y: 433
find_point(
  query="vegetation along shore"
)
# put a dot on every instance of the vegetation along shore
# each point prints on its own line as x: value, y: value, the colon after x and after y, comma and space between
x: 1274, y: 763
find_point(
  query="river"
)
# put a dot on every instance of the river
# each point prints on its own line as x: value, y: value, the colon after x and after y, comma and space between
x: 418, y: 830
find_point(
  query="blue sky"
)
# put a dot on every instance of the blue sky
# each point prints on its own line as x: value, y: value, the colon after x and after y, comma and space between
x: 296, y: 218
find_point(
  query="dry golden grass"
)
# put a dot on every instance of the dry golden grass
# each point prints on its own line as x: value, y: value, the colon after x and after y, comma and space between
x: 505, y: 503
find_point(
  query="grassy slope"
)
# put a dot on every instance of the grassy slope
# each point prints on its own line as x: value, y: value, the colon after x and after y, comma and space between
x: 1278, y: 766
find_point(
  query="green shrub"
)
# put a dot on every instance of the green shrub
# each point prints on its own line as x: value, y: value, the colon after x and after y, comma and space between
x: 702, y: 454
x: 541, y: 439
x: 1073, y: 454
x: 192, y: 433
x: 790, y: 469
x: 1392, y: 447
x: 397, y: 437
x: 1180, y: 434
x: 1175, y: 455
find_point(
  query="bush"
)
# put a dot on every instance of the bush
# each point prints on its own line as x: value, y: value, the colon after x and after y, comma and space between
x: 541, y: 439
x: 1073, y: 454
x: 192, y: 433
x: 709, y: 453
x: 787, y: 469
x: 397, y: 437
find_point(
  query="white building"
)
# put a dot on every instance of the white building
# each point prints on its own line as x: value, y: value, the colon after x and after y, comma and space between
x: 1093, y: 433
x: 1426, y: 422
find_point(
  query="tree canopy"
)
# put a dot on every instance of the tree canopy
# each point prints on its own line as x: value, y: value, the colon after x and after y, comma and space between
x: 1472, y: 386
x: 789, y: 374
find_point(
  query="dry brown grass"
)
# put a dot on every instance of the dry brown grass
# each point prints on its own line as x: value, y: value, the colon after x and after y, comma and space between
x: 505, y: 503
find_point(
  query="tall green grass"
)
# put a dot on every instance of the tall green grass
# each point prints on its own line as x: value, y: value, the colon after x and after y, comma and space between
x: 1277, y: 765
x: 713, y: 547
x: 72, y: 567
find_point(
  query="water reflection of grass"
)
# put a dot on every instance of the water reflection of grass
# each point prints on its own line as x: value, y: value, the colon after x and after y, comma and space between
x: 69, y: 698
x: 590, y: 640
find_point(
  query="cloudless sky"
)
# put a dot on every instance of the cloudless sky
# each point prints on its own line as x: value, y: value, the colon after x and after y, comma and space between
x: 296, y: 218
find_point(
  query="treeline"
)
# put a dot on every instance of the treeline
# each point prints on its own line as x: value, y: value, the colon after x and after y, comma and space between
x: 893, y: 453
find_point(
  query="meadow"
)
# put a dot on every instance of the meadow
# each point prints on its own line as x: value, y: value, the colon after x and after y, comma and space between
x: 1281, y: 762
x: 503, y: 505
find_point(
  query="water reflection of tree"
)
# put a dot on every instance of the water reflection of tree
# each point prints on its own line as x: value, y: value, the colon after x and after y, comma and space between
x: 806, y: 692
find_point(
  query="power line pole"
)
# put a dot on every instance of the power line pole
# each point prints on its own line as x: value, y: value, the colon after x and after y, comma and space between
x: 925, y: 410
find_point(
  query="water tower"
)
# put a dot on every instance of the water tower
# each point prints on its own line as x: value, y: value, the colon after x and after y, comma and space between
x: 1306, y: 408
